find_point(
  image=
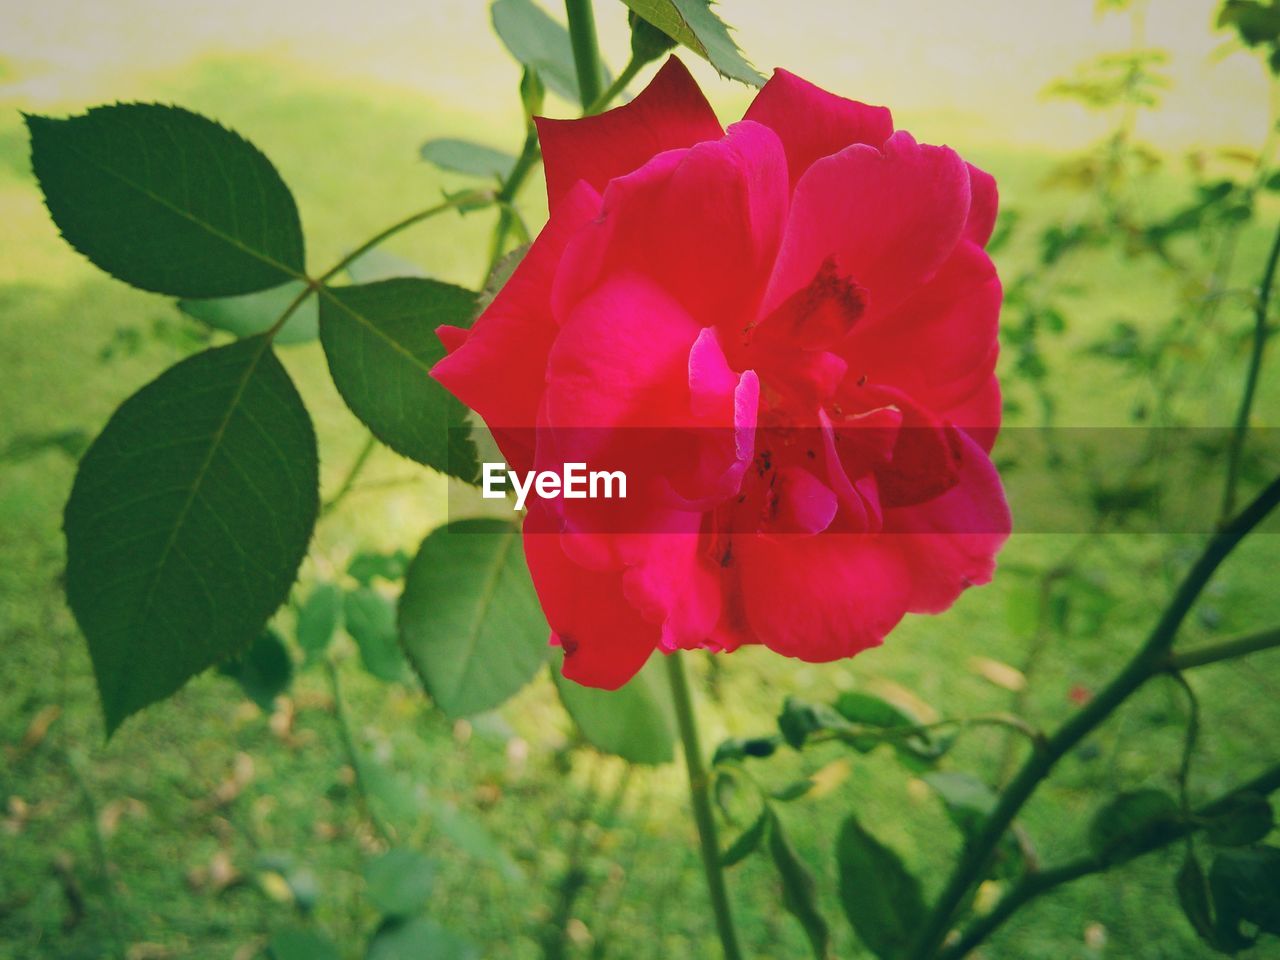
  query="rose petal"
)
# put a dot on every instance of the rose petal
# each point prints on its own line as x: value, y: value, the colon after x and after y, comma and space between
x: 670, y: 112
x: 983, y: 208
x: 813, y: 123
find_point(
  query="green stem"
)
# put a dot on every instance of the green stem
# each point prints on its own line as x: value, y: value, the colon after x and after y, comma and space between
x: 1038, y: 884
x: 99, y: 853
x: 370, y: 444
x: 1149, y: 661
x: 1241, y: 430
x: 353, y: 753
x: 1227, y: 649
x: 626, y: 76
x: 530, y: 154
x: 586, y: 53
x: 699, y: 795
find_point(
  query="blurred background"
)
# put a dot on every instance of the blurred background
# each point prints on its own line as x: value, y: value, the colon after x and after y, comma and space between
x: 1134, y: 148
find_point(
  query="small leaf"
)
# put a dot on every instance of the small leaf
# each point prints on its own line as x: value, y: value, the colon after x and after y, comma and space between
x: 1245, y: 885
x: 399, y: 882
x: 380, y: 341
x: 882, y: 900
x: 419, y: 939
x: 799, y: 892
x: 469, y: 618
x: 1193, y: 896
x: 695, y: 25
x: 263, y: 671
x: 302, y: 943
x: 634, y: 722
x: 371, y: 621
x: 254, y: 313
x: 367, y: 566
x: 540, y: 43
x: 463, y: 156
x: 318, y: 620
x: 189, y: 517
x: 793, y: 791
x: 1244, y: 819
x: 800, y: 719
x: 1133, y: 822
x: 167, y: 200
x: 968, y: 800
x: 748, y: 842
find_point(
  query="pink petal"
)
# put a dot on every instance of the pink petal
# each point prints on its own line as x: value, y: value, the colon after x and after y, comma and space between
x: 950, y: 543
x: 819, y: 598
x: 890, y: 219
x: 498, y: 369
x: 670, y: 112
x: 703, y: 223
x: 982, y: 211
x: 813, y: 123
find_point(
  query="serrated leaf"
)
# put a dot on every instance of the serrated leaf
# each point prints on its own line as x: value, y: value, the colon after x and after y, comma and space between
x: 300, y: 943
x: 371, y: 621
x: 263, y: 671
x: 693, y: 24
x: 882, y: 900
x: 168, y: 200
x: 799, y: 892
x: 1131, y: 822
x: 463, y: 156
x: 399, y: 882
x: 380, y: 341
x: 469, y: 618
x: 188, y: 519
x: 253, y: 313
x: 419, y: 939
x: 541, y: 44
x: 747, y: 842
x: 318, y: 620
x: 634, y: 722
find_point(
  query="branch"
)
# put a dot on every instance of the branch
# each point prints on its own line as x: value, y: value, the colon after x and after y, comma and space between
x: 1227, y: 649
x: 1149, y: 661
x: 1038, y: 884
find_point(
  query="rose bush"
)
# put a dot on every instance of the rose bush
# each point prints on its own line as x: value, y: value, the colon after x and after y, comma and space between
x: 788, y: 330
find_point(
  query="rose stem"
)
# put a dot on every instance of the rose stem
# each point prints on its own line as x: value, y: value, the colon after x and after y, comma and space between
x: 701, y: 800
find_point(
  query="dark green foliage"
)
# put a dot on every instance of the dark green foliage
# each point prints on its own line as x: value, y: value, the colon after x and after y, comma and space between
x: 469, y: 618
x: 380, y: 341
x: 1132, y: 822
x: 634, y: 722
x: 263, y: 671
x: 695, y: 25
x: 188, y: 519
x: 167, y: 200
x: 371, y: 620
x: 799, y: 892
x: 540, y: 43
x: 318, y: 620
x: 882, y: 900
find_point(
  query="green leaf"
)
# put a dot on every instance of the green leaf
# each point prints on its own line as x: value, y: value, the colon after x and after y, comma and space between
x: 634, y: 722
x: 695, y: 25
x: 540, y: 43
x: 380, y: 341
x: 471, y: 837
x: 1132, y: 823
x: 399, y: 882
x: 367, y: 566
x: 381, y: 264
x: 1244, y: 819
x: 418, y: 939
x: 319, y: 619
x: 748, y: 842
x: 371, y: 621
x: 302, y: 943
x: 882, y: 900
x: 968, y: 800
x: 167, y: 200
x: 189, y: 517
x: 463, y: 156
x: 799, y: 719
x: 1246, y: 889
x: 1193, y: 897
x: 799, y: 892
x: 263, y: 671
x: 253, y: 313
x: 469, y: 618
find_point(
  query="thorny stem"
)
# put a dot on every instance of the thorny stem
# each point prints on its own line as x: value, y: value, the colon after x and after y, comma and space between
x: 1260, y: 332
x: 700, y: 797
x: 1149, y: 661
x: 1043, y: 881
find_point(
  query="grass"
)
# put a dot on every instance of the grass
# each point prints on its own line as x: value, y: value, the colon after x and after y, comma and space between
x: 204, y: 825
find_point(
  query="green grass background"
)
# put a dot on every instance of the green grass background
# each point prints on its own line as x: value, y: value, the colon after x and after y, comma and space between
x: 73, y: 343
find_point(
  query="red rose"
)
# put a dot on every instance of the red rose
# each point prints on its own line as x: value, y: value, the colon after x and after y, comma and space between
x: 802, y: 307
